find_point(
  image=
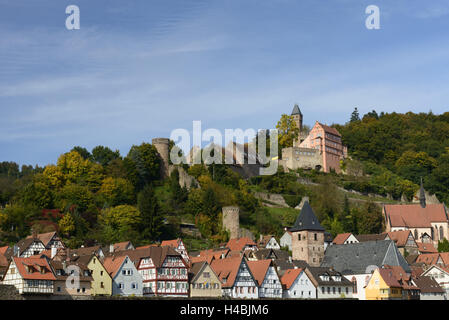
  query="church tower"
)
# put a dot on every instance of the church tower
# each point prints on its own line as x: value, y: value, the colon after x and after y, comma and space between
x: 308, y: 237
x: 297, y: 117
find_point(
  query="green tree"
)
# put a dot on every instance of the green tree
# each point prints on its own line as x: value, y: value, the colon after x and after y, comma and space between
x: 104, y: 155
x: 443, y: 246
x: 144, y: 163
x: 355, y: 116
x: 151, y: 215
x: 83, y: 152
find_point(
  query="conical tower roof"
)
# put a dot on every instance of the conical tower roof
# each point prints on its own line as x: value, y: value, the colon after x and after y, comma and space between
x: 296, y: 110
x: 306, y: 220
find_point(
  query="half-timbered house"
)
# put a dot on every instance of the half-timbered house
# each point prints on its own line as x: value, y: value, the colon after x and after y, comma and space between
x: 267, y: 278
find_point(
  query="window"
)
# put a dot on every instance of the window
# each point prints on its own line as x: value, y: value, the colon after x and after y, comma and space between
x: 134, y: 285
x: 59, y: 289
x: 206, y: 275
x: 101, y: 273
x: 441, y: 233
x: 83, y: 290
x: 315, y: 236
x: 101, y: 285
x: 328, y: 290
x: 299, y: 237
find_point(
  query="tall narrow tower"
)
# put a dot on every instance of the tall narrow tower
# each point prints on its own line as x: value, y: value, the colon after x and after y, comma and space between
x: 297, y: 117
x: 162, y: 146
x: 308, y: 237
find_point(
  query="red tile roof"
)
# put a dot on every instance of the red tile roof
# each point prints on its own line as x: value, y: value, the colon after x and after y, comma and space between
x: 259, y: 269
x: 226, y: 270
x: 428, y: 258
x: 237, y: 244
x: 426, y: 248
x: 112, y: 264
x: 36, y: 264
x: 389, y: 278
x: 399, y: 237
x: 172, y: 243
x: 415, y: 216
x: 3, y: 250
x: 290, y: 276
x: 341, y: 238
x: 330, y: 129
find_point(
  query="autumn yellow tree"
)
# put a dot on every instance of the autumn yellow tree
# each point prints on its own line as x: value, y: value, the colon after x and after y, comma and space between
x: 288, y: 131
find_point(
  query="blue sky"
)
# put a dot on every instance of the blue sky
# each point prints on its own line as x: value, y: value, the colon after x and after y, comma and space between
x: 138, y: 69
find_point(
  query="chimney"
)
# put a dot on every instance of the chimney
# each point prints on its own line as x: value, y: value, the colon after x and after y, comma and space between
x: 34, y: 234
x: 54, y: 250
x: 64, y: 264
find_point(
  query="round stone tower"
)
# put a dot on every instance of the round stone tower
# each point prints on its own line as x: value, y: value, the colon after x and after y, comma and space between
x: 231, y: 221
x: 162, y: 147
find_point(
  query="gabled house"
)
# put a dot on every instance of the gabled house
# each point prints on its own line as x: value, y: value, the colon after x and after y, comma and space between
x: 429, y: 288
x: 49, y: 239
x: 101, y: 283
x: 179, y: 246
x: 164, y: 272
x: 236, y: 278
x: 267, y: 278
x: 87, y: 251
x: 329, y: 284
x: 286, y: 240
x: 203, y: 281
x: 345, y: 238
x: 30, y: 276
x: 241, y: 244
x: 68, y: 270
x: 382, y: 285
x: 441, y: 275
x: 272, y: 254
x: 268, y: 242
x: 297, y: 285
x: 28, y: 247
x: 126, y: 280
x: 405, y: 241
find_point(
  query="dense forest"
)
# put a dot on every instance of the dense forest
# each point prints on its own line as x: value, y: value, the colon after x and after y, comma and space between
x: 100, y: 196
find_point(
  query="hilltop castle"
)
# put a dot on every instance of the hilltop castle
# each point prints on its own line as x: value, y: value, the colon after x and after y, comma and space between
x: 321, y: 149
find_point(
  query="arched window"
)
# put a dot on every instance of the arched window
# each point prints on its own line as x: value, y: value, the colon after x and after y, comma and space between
x: 441, y: 233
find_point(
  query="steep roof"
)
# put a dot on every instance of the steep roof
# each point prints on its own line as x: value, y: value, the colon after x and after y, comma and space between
x: 341, y: 238
x: 259, y: 269
x: 290, y: 276
x: 86, y: 250
x: 226, y: 270
x: 306, y: 220
x: 262, y: 254
x: 428, y: 258
x: 195, y: 269
x: 60, y: 265
x: 112, y: 264
x: 45, y: 237
x: 414, y: 215
x: 426, y: 248
x: 389, y: 278
x: 237, y: 244
x: 35, y: 265
x: 296, y: 110
x: 330, y: 129
x: 400, y: 237
x: 356, y: 258
x: 428, y: 285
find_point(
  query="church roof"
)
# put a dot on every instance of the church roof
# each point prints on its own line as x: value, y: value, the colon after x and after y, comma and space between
x: 296, y: 110
x: 307, y: 220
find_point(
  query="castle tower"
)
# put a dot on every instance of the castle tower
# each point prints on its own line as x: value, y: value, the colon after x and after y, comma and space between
x: 231, y: 221
x: 308, y: 237
x: 162, y: 146
x: 297, y: 117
